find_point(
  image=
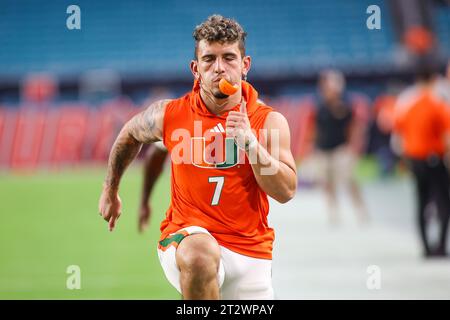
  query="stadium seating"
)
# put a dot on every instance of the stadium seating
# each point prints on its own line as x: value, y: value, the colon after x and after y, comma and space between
x: 442, y: 25
x: 154, y: 38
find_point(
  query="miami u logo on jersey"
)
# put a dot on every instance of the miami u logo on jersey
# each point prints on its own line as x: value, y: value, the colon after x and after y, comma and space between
x: 209, y: 149
x: 216, y: 154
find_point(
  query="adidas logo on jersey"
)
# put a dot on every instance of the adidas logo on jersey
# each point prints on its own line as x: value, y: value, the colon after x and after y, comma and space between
x: 218, y: 128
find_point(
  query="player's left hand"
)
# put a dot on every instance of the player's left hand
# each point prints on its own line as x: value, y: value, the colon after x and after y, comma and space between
x: 238, y: 127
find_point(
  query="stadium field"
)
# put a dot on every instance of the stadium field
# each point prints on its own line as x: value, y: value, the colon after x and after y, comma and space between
x: 49, y: 221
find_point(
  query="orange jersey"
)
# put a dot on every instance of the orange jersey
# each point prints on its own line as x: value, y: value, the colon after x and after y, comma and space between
x: 215, y: 189
x: 422, y: 121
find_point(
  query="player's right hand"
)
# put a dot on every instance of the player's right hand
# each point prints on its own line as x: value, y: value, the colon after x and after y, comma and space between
x: 145, y: 212
x: 110, y: 207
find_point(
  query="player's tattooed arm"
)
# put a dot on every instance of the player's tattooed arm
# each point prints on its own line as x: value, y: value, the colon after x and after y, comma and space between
x: 145, y: 127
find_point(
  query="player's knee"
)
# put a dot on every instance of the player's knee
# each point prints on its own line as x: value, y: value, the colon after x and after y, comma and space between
x: 199, y: 259
x: 200, y: 266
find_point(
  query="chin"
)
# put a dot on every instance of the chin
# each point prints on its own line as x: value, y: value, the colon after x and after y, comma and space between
x: 220, y: 95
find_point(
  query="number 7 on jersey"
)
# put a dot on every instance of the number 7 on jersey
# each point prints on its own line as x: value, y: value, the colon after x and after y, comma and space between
x: 217, y: 190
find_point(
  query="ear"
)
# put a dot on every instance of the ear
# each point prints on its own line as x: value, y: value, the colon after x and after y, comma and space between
x: 246, y: 64
x: 194, y: 69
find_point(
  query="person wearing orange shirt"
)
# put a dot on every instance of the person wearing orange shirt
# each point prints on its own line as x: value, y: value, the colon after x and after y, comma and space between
x: 228, y: 153
x: 421, y: 135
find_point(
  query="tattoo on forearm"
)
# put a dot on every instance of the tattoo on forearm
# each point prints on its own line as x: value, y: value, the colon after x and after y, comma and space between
x: 122, y: 153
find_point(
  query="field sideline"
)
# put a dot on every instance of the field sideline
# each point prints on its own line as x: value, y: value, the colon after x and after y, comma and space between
x: 49, y: 221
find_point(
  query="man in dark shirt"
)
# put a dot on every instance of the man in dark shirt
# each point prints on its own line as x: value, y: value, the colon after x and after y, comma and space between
x: 336, y: 157
x: 333, y: 120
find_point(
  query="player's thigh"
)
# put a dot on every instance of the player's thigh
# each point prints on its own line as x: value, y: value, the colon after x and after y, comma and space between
x: 198, y: 253
x: 246, y: 278
x: 167, y: 255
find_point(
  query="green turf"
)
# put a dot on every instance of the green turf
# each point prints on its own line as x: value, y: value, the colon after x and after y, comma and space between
x: 49, y: 221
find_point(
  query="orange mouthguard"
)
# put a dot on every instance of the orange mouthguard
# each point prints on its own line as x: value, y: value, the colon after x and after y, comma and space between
x: 227, y: 88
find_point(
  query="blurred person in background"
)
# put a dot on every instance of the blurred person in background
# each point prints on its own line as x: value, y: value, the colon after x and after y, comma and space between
x: 422, y: 136
x: 336, y: 131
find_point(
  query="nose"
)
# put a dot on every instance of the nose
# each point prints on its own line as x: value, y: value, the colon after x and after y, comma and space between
x: 218, y: 66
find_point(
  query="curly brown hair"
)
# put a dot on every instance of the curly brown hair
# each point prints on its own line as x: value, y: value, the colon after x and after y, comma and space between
x: 220, y: 29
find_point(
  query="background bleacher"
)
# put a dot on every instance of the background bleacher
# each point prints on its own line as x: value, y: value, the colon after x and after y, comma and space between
x: 154, y: 38
x: 126, y: 49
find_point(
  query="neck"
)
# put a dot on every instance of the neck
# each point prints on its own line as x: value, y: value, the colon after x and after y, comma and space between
x: 219, y: 106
